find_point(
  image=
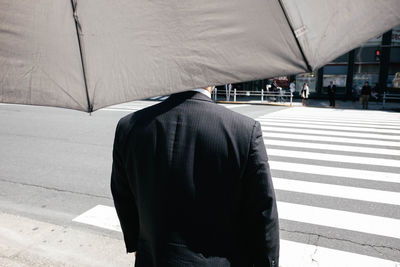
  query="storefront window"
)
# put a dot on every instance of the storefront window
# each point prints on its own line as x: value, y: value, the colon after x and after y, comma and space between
x: 310, y: 78
x: 360, y: 79
x: 338, y: 80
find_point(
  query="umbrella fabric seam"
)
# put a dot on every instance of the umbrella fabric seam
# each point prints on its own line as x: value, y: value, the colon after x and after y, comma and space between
x: 294, y: 35
x: 79, y: 32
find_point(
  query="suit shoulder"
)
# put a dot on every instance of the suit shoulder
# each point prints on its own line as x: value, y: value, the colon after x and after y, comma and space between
x: 127, y: 122
x: 234, y: 116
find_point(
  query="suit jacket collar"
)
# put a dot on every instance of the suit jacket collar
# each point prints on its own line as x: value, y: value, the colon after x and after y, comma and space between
x: 190, y: 95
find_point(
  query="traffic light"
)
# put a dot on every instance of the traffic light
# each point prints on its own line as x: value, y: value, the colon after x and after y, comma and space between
x: 377, y: 55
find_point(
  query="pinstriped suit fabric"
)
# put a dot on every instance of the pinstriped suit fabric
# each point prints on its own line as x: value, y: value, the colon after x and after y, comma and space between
x: 192, y: 186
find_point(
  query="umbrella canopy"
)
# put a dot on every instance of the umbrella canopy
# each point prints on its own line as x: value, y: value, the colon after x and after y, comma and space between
x: 88, y: 54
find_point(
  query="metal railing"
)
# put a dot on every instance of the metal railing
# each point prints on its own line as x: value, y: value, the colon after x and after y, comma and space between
x: 280, y: 96
x: 388, y: 96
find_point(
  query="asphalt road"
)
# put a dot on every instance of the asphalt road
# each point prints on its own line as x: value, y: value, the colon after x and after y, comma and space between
x: 55, y: 165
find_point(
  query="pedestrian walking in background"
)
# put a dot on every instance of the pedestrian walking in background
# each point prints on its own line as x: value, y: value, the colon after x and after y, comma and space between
x: 192, y: 186
x: 292, y: 87
x: 375, y: 92
x: 305, y: 91
x: 365, y: 93
x: 274, y: 86
x: 331, y: 94
x: 275, y: 90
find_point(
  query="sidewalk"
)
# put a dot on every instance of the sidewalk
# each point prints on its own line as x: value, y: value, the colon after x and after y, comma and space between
x: 28, y: 242
x: 323, y: 103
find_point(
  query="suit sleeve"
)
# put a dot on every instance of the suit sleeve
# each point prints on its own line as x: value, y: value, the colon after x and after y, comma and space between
x: 260, y: 205
x: 124, y: 200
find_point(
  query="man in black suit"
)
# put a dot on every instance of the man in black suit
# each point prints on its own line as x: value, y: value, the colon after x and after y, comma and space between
x: 331, y: 94
x: 365, y: 93
x: 192, y: 186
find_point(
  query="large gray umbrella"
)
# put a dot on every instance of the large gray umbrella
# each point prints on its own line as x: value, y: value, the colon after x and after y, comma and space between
x: 88, y: 54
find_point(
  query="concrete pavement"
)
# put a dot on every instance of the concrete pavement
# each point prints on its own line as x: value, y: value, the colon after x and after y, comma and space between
x: 29, y: 242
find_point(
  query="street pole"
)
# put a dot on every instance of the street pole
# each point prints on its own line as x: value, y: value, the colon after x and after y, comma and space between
x: 350, y: 74
x: 384, y: 60
x: 320, y: 79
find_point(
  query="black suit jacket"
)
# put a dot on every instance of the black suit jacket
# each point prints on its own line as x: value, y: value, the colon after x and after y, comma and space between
x: 332, y: 90
x: 192, y: 186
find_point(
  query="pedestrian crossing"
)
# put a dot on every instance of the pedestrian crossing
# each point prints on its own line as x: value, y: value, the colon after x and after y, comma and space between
x: 328, y: 168
x: 339, y: 149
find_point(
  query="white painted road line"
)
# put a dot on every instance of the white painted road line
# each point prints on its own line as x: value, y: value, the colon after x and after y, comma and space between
x: 234, y: 105
x: 131, y: 106
x: 100, y: 216
x: 329, y: 127
x: 334, y: 157
x: 333, y: 122
x: 311, y: 137
x: 358, y: 222
x: 357, y: 149
x: 335, y: 171
x: 119, y: 109
x: 138, y: 102
x: 303, y: 131
x: 368, y: 121
x: 340, y: 191
x: 294, y: 254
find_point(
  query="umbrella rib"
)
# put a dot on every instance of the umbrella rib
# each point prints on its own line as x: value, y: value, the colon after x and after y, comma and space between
x: 294, y: 35
x: 79, y: 32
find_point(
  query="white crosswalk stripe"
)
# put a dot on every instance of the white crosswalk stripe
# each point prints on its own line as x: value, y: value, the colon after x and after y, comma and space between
x: 340, y: 219
x: 231, y: 106
x: 348, y: 155
x: 334, y: 157
x: 335, y: 171
x: 348, y: 192
x: 314, y: 137
x: 346, y: 148
x: 131, y: 106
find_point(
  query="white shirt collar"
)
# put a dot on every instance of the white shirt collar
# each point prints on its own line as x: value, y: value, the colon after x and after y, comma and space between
x: 203, y: 91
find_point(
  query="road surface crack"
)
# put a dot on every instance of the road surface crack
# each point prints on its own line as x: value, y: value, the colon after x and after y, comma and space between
x: 315, y: 251
x: 54, y: 189
x: 374, y: 247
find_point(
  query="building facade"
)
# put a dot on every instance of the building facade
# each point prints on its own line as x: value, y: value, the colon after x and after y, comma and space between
x: 377, y: 61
